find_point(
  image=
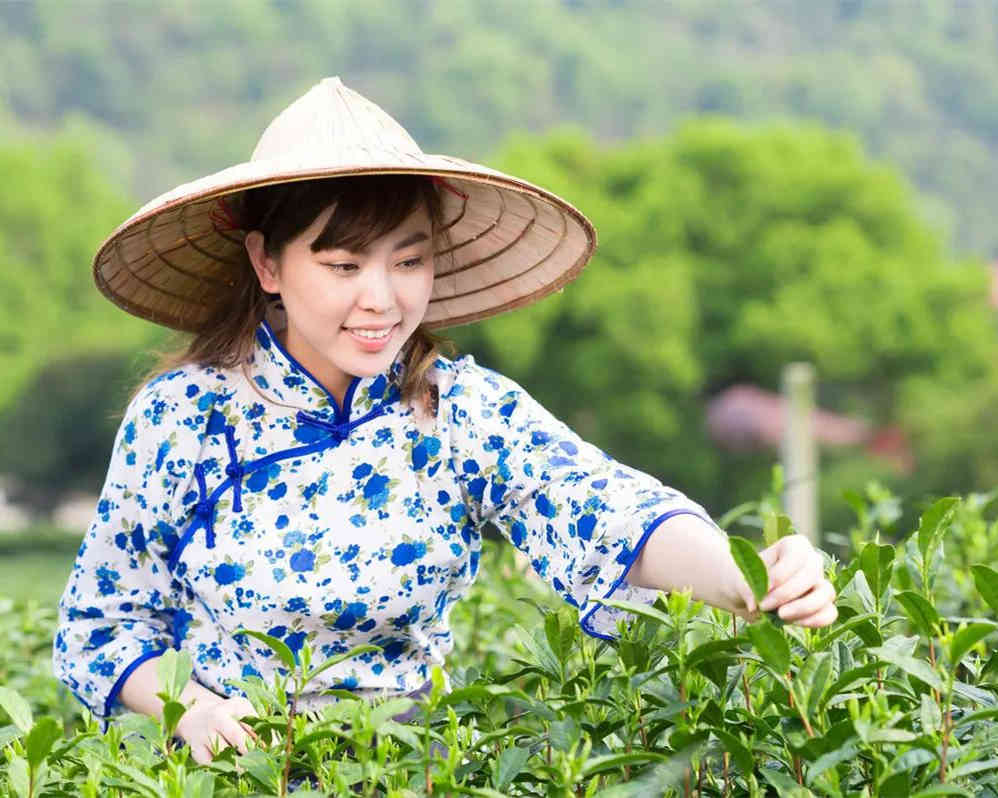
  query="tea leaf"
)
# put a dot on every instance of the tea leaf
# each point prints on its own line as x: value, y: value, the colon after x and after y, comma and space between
x: 877, y: 562
x: 600, y: 764
x: 40, y: 740
x: 771, y: 644
x: 174, y: 670
x: 739, y: 753
x: 966, y: 639
x: 784, y: 785
x: 830, y: 760
x: 810, y: 683
x: 173, y: 711
x: 914, y: 667
x: 986, y: 580
x: 930, y: 715
x: 356, y: 651
x: 751, y: 566
x: 17, y: 708
x: 933, y: 524
x: 279, y: 647
x: 941, y: 789
x: 777, y: 526
x: 637, y: 609
x: 511, y: 762
x: 388, y: 710
x: 19, y: 775
x: 924, y: 617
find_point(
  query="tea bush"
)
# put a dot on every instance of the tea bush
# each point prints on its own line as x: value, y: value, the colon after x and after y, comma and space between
x: 898, y: 698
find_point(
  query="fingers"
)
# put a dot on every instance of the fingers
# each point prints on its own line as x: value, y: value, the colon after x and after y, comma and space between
x: 218, y: 727
x: 811, y: 603
x: 824, y: 618
x: 797, y: 585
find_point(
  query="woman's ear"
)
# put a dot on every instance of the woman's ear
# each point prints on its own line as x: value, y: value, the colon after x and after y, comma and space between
x: 264, y: 265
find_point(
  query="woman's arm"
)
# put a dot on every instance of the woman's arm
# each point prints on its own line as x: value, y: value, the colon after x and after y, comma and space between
x: 687, y: 553
x: 139, y: 691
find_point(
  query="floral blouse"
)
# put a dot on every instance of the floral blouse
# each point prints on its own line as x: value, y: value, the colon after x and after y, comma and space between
x: 248, y: 498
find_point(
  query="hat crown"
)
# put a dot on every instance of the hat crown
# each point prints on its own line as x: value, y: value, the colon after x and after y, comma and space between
x: 333, y: 123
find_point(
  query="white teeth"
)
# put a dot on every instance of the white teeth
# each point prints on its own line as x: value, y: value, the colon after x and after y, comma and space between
x: 372, y: 333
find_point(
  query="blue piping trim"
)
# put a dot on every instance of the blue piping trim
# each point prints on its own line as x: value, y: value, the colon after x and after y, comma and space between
x: 586, y: 622
x: 113, y: 695
x: 234, y: 470
x: 256, y: 465
x: 336, y: 405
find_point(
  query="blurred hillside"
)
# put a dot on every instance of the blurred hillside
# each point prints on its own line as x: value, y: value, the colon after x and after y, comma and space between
x: 186, y: 86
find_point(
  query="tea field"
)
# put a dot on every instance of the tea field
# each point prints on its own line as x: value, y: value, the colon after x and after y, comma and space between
x: 898, y: 698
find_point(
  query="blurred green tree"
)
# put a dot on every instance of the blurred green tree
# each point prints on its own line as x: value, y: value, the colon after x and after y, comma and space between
x: 726, y: 252
x: 54, y: 210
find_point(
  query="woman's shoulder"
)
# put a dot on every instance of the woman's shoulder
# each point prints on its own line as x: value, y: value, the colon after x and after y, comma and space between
x: 178, y: 396
x: 464, y: 377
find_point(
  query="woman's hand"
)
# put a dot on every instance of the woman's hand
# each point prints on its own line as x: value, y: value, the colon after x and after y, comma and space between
x: 214, y: 724
x: 798, y: 589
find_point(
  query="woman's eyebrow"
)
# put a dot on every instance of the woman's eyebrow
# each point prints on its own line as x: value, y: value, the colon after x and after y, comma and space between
x: 408, y: 241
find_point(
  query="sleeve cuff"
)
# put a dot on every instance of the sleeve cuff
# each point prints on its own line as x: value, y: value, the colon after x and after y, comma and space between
x: 112, y: 697
x: 601, y: 621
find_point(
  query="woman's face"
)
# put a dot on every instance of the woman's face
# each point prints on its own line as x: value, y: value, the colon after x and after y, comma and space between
x: 349, y: 313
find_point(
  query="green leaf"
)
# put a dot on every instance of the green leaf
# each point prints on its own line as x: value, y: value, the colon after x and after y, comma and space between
x: 784, y: 785
x: 930, y: 715
x: 751, y: 566
x: 356, y: 651
x: 966, y: 639
x: 910, y: 665
x: 600, y: 764
x: 17, y: 708
x: 810, y: 683
x: 511, y: 762
x: 771, y: 644
x: 777, y: 526
x: 830, y: 760
x: 923, y: 616
x: 40, y: 740
x: 565, y: 734
x: 174, y: 669
x: 643, y: 610
x: 741, y: 755
x: 933, y: 524
x: 877, y: 562
x: 173, y: 711
x: 279, y: 647
x: 941, y: 789
x: 986, y: 580
x: 19, y: 775
x: 714, y: 650
x: 262, y: 766
x: 388, y: 710
x: 540, y: 651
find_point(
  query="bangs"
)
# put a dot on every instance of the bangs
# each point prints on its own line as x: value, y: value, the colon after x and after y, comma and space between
x: 371, y: 209
x: 367, y: 207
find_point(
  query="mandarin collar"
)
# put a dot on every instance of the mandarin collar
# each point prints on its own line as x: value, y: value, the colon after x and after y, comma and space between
x: 282, y: 378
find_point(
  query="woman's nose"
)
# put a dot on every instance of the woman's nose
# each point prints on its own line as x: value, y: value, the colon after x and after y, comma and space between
x: 377, y: 292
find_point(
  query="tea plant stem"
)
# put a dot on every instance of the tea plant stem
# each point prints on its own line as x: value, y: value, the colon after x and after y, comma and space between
x: 800, y: 774
x: 727, y: 784
x: 287, y: 745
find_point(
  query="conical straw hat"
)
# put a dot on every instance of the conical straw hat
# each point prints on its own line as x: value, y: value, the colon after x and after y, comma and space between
x: 511, y: 243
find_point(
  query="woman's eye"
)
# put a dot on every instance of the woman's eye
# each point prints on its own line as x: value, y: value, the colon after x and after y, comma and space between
x: 412, y: 263
x: 342, y: 267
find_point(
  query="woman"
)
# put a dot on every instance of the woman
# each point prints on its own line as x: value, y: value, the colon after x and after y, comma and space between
x: 312, y: 467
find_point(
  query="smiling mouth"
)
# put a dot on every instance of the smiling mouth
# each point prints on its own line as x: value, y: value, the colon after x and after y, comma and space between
x: 371, y: 333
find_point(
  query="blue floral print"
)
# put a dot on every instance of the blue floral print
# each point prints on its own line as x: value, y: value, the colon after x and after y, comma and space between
x: 248, y: 498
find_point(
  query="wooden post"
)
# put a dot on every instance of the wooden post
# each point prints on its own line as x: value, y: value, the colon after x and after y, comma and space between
x: 799, y: 450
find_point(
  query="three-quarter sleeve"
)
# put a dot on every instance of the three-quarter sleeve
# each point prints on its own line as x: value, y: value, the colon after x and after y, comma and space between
x: 581, y: 517
x: 115, y: 611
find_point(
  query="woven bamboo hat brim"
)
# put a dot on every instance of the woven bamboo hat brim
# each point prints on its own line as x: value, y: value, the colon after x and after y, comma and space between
x: 175, y: 261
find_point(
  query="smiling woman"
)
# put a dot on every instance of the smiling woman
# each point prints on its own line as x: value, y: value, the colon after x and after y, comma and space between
x: 312, y: 467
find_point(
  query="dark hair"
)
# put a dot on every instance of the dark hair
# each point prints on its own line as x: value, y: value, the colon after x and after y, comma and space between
x: 367, y: 207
